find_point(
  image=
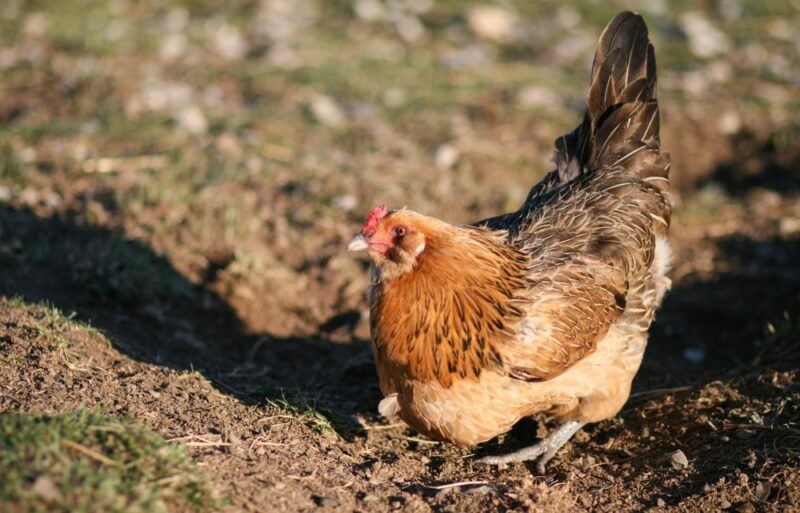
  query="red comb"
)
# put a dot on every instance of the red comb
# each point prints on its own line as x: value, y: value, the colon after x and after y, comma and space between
x: 374, y: 216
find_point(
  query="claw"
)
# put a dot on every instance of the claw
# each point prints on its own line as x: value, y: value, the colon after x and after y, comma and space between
x: 526, y: 454
x: 542, y: 452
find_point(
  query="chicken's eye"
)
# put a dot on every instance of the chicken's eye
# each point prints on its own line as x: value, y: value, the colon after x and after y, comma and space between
x: 399, y: 231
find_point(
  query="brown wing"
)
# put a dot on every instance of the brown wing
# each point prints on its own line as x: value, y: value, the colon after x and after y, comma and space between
x: 573, y: 313
x: 587, y: 243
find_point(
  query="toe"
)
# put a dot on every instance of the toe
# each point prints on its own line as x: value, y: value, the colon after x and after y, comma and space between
x: 526, y: 454
x: 490, y: 460
x: 544, y: 459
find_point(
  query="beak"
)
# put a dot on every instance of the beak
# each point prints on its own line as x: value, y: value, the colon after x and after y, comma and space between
x: 359, y: 243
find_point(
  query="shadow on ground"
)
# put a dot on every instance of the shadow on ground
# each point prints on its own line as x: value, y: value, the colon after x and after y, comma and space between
x: 154, y: 314
x: 718, y: 322
x: 770, y: 163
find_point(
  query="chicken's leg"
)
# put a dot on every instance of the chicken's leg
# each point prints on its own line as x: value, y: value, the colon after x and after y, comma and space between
x: 544, y: 450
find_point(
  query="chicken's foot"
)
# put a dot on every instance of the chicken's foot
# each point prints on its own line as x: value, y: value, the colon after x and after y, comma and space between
x: 542, y: 452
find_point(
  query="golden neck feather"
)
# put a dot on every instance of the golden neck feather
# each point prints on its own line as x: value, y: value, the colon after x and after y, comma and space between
x: 446, y: 317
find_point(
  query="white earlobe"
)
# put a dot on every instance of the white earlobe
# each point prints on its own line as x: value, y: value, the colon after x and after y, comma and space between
x: 420, y: 249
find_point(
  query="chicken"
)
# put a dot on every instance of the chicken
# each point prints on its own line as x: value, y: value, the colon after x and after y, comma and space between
x: 545, y: 310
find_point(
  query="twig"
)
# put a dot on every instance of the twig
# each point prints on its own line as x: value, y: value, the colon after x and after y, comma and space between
x: 346, y: 485
x: 264, y: 419
x: 90, y: 453
x: 187, y: 437
x: 420, y: 440
x: 71, y: 365
x: 171, y: 480
x: 381, y: 427
x: 779, y: 429
x: 251, y: 354
x: 110, y: 164
x: 203, y: 442
x: 261, y: 440
x: 455, y: 485
x: 617, y: 462
x: 224, y: 385
x: 659, y: 391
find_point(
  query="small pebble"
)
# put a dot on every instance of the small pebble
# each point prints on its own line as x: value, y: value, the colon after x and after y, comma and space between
x: 191, y: 119
x: 327, y: 111
x: 446, y: 156
x: 229, y: 42
x: 694, y: 355
x: 762, y: 491
x: 678, y: 459
x: 46, y: 489
x: 789, y: 225
x: 492, y: 23
x: 747, y: 507
x: 478, y: 490
x: 705, y: 39
x: 369, y: 10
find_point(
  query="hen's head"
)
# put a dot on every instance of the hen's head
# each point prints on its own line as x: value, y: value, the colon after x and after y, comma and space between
x: 395, y: 239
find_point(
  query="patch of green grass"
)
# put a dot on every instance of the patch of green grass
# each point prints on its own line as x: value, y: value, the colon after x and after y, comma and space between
x: 52, y: 323
x: 87, y: 462
x: 321, y: 420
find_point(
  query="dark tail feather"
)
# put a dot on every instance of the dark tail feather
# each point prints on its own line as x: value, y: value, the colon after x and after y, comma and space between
x: 621, y: 125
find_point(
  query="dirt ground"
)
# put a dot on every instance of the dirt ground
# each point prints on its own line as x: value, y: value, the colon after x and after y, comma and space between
x: 226, y: 316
